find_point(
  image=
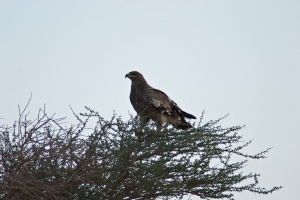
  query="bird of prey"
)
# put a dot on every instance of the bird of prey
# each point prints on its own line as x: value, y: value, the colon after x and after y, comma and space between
x: 151, y: 103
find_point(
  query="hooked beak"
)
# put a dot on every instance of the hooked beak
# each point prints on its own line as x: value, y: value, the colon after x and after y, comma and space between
x: 126, y: 76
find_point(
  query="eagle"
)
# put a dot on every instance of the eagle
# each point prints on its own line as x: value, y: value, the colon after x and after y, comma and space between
x: 151, y: 103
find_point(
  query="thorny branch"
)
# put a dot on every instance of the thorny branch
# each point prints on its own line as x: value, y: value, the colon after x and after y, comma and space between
x: 118, y: 159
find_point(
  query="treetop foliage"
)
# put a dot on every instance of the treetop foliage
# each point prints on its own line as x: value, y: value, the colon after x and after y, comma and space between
x: 46, y: 158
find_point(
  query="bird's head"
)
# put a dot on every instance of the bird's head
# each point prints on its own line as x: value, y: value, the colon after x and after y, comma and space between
x: 134, y: 75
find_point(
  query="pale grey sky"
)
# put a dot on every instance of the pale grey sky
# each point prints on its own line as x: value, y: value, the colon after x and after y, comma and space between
x: 236, y: 57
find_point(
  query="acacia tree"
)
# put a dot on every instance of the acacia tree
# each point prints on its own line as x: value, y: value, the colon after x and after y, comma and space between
x: 119, y: 159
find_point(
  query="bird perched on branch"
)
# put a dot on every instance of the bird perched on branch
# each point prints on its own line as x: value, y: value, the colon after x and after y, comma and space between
x: 151, y: 103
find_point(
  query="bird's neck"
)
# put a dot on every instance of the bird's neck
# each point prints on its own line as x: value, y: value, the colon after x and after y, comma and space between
x: 138, y: 88
x: 141, y: 83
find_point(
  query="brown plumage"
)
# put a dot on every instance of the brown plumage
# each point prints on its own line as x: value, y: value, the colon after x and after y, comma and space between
x: 150, y: 103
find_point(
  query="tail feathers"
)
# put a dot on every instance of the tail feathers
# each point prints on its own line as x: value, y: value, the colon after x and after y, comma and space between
x: 187, y: 115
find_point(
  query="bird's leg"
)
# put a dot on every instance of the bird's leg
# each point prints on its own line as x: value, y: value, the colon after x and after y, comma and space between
x: 144, y: 121
x: 139, y: 131
x: 158, y: 125
x: 138, y: 134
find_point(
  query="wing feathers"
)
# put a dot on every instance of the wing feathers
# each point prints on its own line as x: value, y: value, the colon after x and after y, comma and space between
x: 163, y: 103
x: 157, y: 99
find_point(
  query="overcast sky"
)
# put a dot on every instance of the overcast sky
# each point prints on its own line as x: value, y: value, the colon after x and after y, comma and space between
x: 236, y: 57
